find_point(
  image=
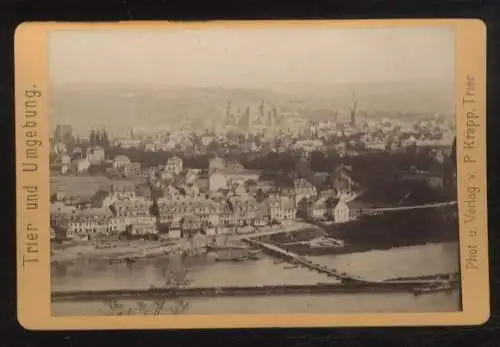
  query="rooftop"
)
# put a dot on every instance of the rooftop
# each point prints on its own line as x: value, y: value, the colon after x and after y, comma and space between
x: 92, y: 212
x: 81, y: 186
x: 122, y: 158
x: 239, y: 172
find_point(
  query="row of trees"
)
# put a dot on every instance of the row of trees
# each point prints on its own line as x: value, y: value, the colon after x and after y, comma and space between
x: 99, y: 137
x: 370, y: 169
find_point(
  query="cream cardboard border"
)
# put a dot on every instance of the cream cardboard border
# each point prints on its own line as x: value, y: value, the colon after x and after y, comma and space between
x: 33, y: 281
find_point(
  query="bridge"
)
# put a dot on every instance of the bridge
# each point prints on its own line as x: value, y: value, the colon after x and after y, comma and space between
x: 295, y: 258
x: 407, y: 208
x: 452, y: 278
x: 245, y: 291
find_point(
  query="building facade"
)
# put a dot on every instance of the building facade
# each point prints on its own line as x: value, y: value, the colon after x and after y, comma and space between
x: 174, y: 165
x: 120, y: 160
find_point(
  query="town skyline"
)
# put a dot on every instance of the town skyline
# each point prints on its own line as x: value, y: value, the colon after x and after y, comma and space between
x: 121, y: 107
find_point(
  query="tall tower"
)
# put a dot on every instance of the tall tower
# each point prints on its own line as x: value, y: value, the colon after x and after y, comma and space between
x: 277, y: 118
x: 230, y: 117
x: 63, y: 133
x: 335, y: 116
x: 261, y: 109
x: 353, y: 111
x: 313, y: 128
x: 270, y: 122
x: 260, y: 118
x: 244, y: 122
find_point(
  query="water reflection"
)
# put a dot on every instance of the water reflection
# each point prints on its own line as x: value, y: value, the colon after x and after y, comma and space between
x: 376, y: 265
x: 400, y: 262
x: 337, y: 303
x: 143, y: 274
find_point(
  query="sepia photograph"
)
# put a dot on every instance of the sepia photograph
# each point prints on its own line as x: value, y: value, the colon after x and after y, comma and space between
x: 253, y: 170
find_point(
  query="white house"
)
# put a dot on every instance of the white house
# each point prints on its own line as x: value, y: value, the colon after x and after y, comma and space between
x: 338, y: 207
x: 174, y: 165
x: 82, y: 165
x: 217, y: 181
x: 120, y: 160
x: 95, y: 154
x: 150, y: 147
x: 317, y: 208
x: 65, y: 159
x: 341, y: 212
x: 59, y: 148
x: 216, y: 164
x: 65, y: 163
x: 192, y: 176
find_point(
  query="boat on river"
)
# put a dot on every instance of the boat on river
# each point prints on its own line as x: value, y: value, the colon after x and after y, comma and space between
x: 115, y: 261
x: 215, y: 247
x: 317, y: 246
x: 237, y: 254
x: 131, y: 260
x: 254, y: 254
x: 433, y: 288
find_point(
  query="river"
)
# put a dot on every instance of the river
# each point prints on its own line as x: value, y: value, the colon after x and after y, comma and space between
x: 375, y: 265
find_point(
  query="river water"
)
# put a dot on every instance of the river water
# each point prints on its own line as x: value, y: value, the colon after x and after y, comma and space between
x: 375, y: 265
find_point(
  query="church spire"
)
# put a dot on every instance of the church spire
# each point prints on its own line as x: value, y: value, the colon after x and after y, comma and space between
x: 354, y: 110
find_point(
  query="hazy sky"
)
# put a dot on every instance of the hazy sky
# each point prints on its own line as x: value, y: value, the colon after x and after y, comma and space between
x: 251, y: 57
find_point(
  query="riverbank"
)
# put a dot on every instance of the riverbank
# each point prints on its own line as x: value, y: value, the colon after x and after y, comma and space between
x: 292, y: 236
x: 320, y: 288
x: 121, y: 251
x: 139, y: 249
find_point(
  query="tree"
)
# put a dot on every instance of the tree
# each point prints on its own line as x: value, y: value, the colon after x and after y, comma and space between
x: 317, y: 160
x: 260, y: 196
x: 174, y: 278
x: 92, y: 137
x: 104, y: 139
x: 95, y: 137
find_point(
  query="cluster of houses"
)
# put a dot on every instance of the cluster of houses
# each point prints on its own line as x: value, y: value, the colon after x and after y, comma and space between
x: 176, y: 202
x: 79, y: 162
x: 117, y: 211
x: 262, y: 128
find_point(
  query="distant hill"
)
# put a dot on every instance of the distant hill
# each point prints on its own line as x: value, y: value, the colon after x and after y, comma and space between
x: 121, y: 107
